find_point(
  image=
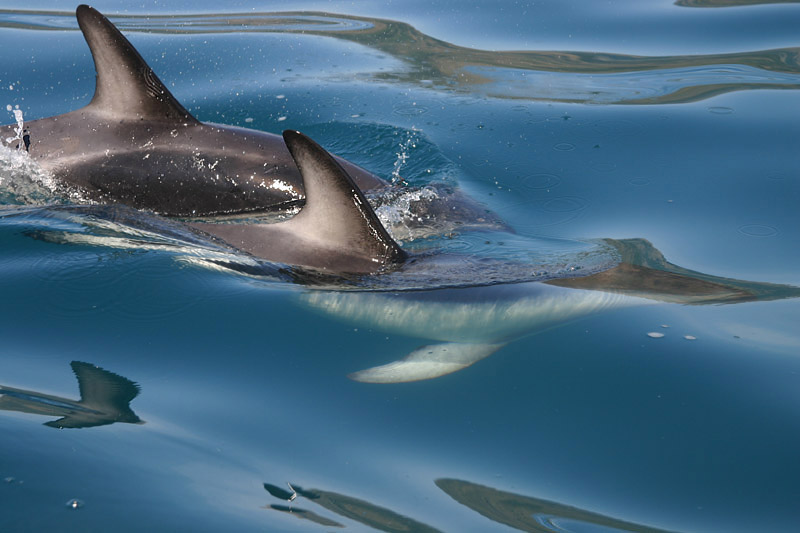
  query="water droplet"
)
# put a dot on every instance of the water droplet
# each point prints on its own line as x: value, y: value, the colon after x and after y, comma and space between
x: 664, y: 325
x: 248, y: 119
x: 281, y: 119
x: 655, y: 335
x: 758, y: 230
x: 9, y: 479
x: 75, y: 503
x: 690, y: 337
x: 564, y: 147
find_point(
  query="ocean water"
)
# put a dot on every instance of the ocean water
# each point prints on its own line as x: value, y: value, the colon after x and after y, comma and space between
x: 219, y: 401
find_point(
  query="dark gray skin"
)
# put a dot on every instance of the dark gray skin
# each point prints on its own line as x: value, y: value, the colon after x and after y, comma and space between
x: 335, y: 232
x: 173, y: 169
x: 135, y: 144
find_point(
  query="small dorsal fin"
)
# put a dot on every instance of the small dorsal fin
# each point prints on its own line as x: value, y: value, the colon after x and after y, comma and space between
x: 336, y: 210
x: 126, y: 86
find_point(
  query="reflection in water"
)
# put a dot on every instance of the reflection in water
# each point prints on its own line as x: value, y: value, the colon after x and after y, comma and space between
x: 361, y: 511
x: 530, y: 514
x: 430, y: 62
x: 470, y: 325
x: 304, y: 514
x: 105, y: 399
x: 730, y: 3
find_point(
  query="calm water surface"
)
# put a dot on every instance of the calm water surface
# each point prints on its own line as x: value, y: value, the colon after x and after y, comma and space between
x: 673, y: 122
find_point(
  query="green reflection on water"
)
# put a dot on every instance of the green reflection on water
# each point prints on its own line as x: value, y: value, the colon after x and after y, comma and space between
x: 433, y: 63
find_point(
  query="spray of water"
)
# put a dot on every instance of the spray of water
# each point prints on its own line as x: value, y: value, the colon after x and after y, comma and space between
x: 403, y: 155
x: 20, y: 126
x: 22, y: 180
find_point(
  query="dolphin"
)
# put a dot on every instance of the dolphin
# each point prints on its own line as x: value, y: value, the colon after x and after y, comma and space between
x: 336, y: 231
x: 466, y: 325
x: 105, y: 399
x: 135, y: 144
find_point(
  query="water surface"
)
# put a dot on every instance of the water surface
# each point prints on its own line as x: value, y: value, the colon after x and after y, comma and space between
x: 673, y: 122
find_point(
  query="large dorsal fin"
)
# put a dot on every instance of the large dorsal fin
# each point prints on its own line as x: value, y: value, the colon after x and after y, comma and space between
x: 336, y: 210
x: 126, y: 86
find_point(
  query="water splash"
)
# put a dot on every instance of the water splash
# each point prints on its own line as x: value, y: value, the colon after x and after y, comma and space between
x: 397, y: 213
x: 403, y: 155
x: 20, y: 125
x: 24, y: 182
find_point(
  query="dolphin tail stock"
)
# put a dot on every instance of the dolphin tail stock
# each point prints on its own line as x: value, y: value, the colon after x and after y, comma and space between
x: 127, y: 88
x: 428, y: 362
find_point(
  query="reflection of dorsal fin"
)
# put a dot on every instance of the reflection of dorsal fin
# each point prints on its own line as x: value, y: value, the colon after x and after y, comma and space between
x: 105, y: 398
x: 101, y: 389
x: 336, y: 210
x: 126, y: 88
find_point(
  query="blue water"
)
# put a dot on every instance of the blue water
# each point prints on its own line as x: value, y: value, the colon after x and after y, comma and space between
x: 652, y: 120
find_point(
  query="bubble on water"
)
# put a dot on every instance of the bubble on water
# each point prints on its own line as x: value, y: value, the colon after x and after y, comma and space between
x: 758, y: 230
x: 664, y: 325
x: 541, y: 181
x: 75, y: 503
x: 720, y: 110
x: 564, y: 147
x: 690, y: 337
x: 9, y: 479
x: 248, y: 119
x: 281, y: 119
x: 639, y: 181
x: 655, y: 335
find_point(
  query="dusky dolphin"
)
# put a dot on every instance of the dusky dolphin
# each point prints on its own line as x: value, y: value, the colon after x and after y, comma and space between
x: 135, y: 144
x: 105, y: 399
x: 467, y: 325
x: 336, y: 231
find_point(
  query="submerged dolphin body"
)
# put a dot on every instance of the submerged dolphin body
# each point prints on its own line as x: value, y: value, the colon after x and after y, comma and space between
x: 135, y: 144
x: 467, y: 325
x: 105, y: 399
